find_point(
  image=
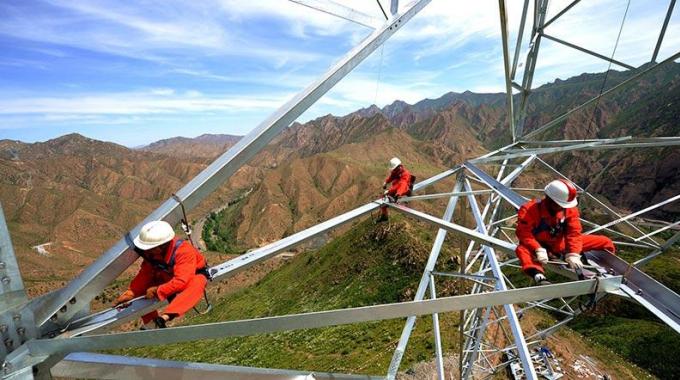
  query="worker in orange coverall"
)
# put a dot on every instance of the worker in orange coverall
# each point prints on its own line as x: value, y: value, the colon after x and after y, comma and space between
x: 550, y: 227
x: 172, y: 269
x: 401, y: 182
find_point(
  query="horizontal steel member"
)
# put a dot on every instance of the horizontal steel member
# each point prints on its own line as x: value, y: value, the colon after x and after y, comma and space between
x: 441, y: 195
x: 344, y: 12
x: 318, y: 319
x: 85, y: 365
x: 451, y: 227
x: 629, y: 216
x: 557, y: 149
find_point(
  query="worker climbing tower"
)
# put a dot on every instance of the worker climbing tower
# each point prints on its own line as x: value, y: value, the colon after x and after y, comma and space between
x: 55, y: 334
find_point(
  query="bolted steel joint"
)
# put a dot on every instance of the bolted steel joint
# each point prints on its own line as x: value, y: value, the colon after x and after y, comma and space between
x: 6, y: 280
x: 2, y: 265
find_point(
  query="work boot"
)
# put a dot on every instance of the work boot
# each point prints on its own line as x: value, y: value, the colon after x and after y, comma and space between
x: 539, y: 279
x: 160, y: 322
x: 382, y: 218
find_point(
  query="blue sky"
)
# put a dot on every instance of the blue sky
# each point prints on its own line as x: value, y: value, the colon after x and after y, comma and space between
x: 133, y: 72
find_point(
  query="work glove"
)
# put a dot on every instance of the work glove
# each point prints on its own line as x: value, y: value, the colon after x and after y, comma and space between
x: 384, y: 185
x: 542, y: 255
x: 574, y: 260
x: 152, y: 292
x: 125, y: 297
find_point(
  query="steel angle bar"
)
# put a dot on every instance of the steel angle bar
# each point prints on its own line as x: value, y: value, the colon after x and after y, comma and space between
x: 317, y: 319
x: 110, y: 318
x: 518, y: 45
x: 342, y: 11
x: 440, y: 195
x: 540, y: 9
x: 624, y: 243
x: 506, y: 66
x: 595, y: 145
x: 590, y: 52
x: 437, y: 334
x: 512, y: 197
x: 557, y: 142
x: 255, y: 256
x: 661, y: 250
x: 617, y: 87
x: 640, y: 145
x: 674, y: 224
x: 12, y: 290
x: 562, y: 12
x: 632, y: 215
x: 517, y: 333
x: 663, y: 30
x: 85, y: 365
x: 471, y: 234
x: 110, y: 265
x: 654, y: 296
x: 464, y: 275
x: 500, y: 221
x: 424, y: 280
x: 394, y: 7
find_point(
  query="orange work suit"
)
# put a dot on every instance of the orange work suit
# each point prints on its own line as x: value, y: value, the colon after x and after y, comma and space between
x: 558, y: 234
x: 181, y: 283
x: 401, y: 182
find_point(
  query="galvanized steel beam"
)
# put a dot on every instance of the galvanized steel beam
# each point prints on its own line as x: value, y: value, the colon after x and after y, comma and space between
x: 671, y: 6
x: 561, y: 13
x: 506, y: 66
x: 313, y: 320
x: 344, y: 12
x: 522, y: 349
x: 85, y: 365
x: 584, y: 50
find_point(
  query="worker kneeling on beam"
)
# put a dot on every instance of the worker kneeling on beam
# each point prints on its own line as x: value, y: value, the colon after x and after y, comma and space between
x: 550, y: 227
x: 401, y: 184
x: 172, y: 269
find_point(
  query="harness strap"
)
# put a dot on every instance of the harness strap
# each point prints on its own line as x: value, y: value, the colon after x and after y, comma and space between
x: 166, y: 267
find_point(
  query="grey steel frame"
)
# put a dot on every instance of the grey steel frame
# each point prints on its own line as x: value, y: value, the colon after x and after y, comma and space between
x: 59, y: 311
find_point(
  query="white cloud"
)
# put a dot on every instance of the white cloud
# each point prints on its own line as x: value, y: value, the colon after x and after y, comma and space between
x: 136, y: 103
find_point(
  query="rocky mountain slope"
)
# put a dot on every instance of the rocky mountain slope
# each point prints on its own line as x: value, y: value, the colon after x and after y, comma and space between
x: 79, y: 195
x: 203, y: 146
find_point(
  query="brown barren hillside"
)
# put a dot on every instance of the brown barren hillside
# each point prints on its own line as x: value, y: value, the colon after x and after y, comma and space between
x: 78, y: 196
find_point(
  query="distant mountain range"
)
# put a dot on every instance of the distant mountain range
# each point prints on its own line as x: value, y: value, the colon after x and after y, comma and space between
x: 82, y: 194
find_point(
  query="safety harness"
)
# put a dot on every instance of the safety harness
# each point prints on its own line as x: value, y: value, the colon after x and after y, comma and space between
x: 543, y: 225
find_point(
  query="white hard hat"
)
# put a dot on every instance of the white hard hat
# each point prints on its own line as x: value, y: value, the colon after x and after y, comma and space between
x: 154, y: 234
x: 394, y: 162
x: 562, y: 192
